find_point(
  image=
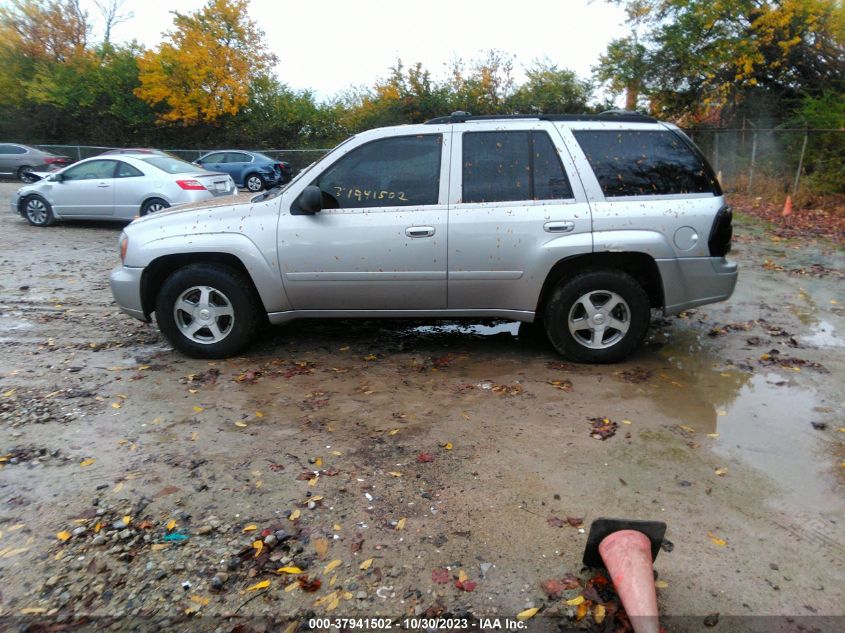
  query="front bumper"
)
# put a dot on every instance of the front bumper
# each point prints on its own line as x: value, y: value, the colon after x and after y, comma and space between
x: 694, y: 281
x: 126, y: 287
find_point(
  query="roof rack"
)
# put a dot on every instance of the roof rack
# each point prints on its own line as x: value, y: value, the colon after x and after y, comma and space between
x: 624, y: 116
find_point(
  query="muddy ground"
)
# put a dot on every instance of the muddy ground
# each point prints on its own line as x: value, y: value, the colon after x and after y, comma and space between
x: 410, y: 469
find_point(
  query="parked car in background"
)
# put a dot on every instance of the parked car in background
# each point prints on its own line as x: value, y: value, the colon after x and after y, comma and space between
x: 19, y: 161
x: 580, y: 224
x: 252, y: 170
x: 137, y: 150
x: 114, y: 188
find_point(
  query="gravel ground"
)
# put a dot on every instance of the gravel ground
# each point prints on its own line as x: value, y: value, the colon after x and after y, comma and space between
x: 401, y: 469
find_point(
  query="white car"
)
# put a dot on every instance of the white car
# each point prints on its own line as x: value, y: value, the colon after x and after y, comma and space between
x: 117, y: 188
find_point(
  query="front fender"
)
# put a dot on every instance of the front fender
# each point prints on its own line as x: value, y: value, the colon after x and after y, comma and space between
x: 263, y: 269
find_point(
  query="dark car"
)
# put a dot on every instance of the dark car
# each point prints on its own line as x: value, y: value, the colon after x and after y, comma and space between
x: 19, y: 161
x: 252, y: 170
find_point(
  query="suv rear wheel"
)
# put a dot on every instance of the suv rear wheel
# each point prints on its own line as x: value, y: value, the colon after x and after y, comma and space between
x: 207, y: 311
x: 597, y: 316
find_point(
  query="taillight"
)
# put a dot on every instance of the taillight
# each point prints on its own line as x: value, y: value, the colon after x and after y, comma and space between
x: 191, y: 185
x: 721, y: 233
x: 52, y: 160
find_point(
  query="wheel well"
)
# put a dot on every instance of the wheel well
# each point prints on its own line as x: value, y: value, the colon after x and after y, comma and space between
x: 640, y: 266
x: 160, y: 269
x: 146, y: 200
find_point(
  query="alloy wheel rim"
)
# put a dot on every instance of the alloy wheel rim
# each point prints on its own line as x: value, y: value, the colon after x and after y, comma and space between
x: 599, y: 319
x: 36, y: 211
x: 254, y: 183
x: 157, y: 206
x: 204, y: 315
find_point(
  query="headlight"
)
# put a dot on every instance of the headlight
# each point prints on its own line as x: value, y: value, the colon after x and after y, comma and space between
x: 124, y: 244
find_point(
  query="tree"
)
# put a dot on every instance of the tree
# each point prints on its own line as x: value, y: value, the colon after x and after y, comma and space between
x: 714, y: 57
x: 624, y: 67
x: 550, y: 90
x: 485, y: 87
x: 205, y: 68
x: 54, y: 30
x: 113, y: 14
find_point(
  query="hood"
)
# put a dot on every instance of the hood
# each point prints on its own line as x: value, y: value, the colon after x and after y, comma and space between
x: 202, y: 205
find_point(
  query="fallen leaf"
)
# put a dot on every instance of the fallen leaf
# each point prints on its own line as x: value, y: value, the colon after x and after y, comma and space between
x: 318, y: 462
x: 400, y: 524
x: 159, y: 546
x: 115, y: 405
x: 294, y: 515
x: 197, y: 409
x: 466, y: 585
x: 716, y: 540
x: 393, y: 432
x: 309, y: 585
x: 448, y: 446
x: 598, y: 613
x: 242, y: 425
x: 575, y: 601
x: 127, y: 519
x: 332, y: 565
x: 721, y: 471
x: 259, y: 585
x: 366, y: 564
x: 582, y: 611
x: 527, y: 614
x: 394, y: 473
x: 462, y: 575
x: 686, y: 428
x: 63, y: 536
x: 250, y: 528
x: 258, y: 414
x: 370, y: 357
x: 602, y: 428
x: 661, y: 584
x: 322, y: 547
x: 424, y: 457
x: 200, y: 600
x: 291, y: 569
x: 440, y: 575
x: 336, y: 453
x: 257, y: 546
x: 87, y: 462
x: 291, y: 587
x: 171, y: 524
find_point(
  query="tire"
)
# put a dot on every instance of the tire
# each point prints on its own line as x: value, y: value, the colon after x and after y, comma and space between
x: 38, y: 211
x: 616, y: 296
x: 233, y: 318
x: 25, y: 176
x: 254, y: 183
x: 154, y: 204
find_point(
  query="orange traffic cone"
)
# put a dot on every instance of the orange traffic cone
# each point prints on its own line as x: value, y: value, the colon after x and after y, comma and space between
x: 627, y: 556
x: 787, y: 207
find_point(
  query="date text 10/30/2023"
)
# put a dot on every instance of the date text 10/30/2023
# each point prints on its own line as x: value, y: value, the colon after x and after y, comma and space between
x: 416, y: 624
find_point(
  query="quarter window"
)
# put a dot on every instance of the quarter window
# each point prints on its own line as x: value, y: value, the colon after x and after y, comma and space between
x: 125, y: 170
x: 506, y: 166
x: 12, y: 149
x: 647, y: 162
x: 390, y: 172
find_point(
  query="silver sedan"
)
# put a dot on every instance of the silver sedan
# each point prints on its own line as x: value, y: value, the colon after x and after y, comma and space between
x: 117, y: 188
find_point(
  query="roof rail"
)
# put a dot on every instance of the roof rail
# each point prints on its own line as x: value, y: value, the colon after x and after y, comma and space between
x: 614, y: 115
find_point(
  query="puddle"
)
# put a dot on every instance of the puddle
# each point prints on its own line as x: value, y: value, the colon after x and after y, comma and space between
x: 475, y: 329
x: 768, y: 426
x: 824, y: 336
x: 763, y: 420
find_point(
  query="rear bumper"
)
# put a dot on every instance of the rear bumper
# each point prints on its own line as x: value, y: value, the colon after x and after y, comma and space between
x: 695, y: 281
x: 126, y: 287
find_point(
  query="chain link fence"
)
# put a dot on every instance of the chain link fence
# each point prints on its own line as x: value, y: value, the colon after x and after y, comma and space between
x: 298, y: 158
x: 751, y: 159
x: 774, y: 161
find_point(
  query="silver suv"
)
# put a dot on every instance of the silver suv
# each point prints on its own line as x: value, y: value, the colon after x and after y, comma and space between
x: 579, y: 224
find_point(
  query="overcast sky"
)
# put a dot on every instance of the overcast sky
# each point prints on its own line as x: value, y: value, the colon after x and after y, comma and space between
x: 330, y: 45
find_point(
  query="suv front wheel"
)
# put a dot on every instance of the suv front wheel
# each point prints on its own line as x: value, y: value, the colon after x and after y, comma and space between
x: 207, y: 311
x: 597, y: 316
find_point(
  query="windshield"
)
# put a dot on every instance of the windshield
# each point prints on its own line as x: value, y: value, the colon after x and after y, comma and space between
x: 275, y: 191
x: 171, y: 165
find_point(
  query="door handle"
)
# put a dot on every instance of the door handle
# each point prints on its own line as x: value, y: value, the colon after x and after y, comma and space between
x: 103, y: 185
x: 419, y: 231
x: 559, y: 227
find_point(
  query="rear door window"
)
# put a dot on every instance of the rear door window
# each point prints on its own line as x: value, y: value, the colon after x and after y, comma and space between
x: 645, y: 162
x: 391, y: 172
x: 510, y: 166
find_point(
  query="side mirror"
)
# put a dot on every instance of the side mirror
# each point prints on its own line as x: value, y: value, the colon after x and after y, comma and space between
x: 309, y: 202
x: 56, y: 178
